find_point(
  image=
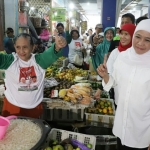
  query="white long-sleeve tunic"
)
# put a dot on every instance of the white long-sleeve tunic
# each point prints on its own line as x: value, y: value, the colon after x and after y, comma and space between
x: 131, y: 75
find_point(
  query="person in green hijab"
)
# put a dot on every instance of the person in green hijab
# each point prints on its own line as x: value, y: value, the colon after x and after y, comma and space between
x: 103, y: 47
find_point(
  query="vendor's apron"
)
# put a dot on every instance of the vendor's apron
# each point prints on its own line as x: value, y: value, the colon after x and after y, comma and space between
x: 10, y: 109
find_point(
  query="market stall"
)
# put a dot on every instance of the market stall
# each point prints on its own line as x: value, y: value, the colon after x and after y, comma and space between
x: 71, y: 91
x: 69, y: 102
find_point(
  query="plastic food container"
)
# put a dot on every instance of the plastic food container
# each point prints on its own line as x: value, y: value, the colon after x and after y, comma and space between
x: 63, y: 112
x: 99, y: 118
x: 60, y: 135
x: 106, y: 140
x: 45, y: 129
x: 4, y: 123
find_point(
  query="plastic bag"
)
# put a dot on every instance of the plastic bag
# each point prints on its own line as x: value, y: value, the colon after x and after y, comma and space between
x: 78, y: 60
x: 80, y: 145
x: 51, y: 82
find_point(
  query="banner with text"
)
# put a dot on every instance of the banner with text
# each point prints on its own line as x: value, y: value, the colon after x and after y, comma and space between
x: 58, y: 14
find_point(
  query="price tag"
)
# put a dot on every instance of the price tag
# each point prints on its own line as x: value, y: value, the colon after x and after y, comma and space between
x: 54, y: 93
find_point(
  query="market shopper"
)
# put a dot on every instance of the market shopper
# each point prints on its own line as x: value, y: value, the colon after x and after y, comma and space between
x: 117, y: 31
x: 98, y: 29
x: 45, y: 34
x: 76, y: 49
x: 25, y: 74
x: 126, y: 34
x: 131, y: 75
x: 90, y: 32
x: 117, y: 37
x: 103, y: 47
x: 9, y: 41
x: 61, y: 32
x: 140, y: 19
x: 127, y: 18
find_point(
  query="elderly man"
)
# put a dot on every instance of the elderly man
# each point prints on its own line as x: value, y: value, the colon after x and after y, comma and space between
x: 98, y: 29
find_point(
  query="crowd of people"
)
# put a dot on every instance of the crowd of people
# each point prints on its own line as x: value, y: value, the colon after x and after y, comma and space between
x: 121, y: 57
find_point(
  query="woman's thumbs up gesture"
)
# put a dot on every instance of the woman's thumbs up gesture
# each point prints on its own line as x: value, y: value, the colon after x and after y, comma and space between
x: 60, y: 42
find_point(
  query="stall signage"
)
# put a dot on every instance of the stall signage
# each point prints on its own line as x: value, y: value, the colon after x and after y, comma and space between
x: 74, y: 14
x: 78, y: 16
x: 84, y: 25
x: 58, y: 14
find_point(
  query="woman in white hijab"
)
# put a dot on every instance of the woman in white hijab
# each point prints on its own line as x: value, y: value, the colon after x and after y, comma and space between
x: 132, y: 76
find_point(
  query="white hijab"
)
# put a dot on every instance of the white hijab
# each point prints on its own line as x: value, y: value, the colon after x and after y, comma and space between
x: 139, y: 59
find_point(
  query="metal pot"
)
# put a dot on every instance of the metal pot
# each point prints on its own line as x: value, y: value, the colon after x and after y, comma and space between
x: 23, y: 6
x: 45, y: 128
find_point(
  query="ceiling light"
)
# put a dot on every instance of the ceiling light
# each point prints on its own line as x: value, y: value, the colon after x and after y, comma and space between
x: 134, y: 8
x: 73, y: 21
x: 130, y: 11
x: 55, y: 14
x: 70, y: 14
x: 132, y: 5
x: 71, y: 5
x: 32, y: 8
x: 88, y: 3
